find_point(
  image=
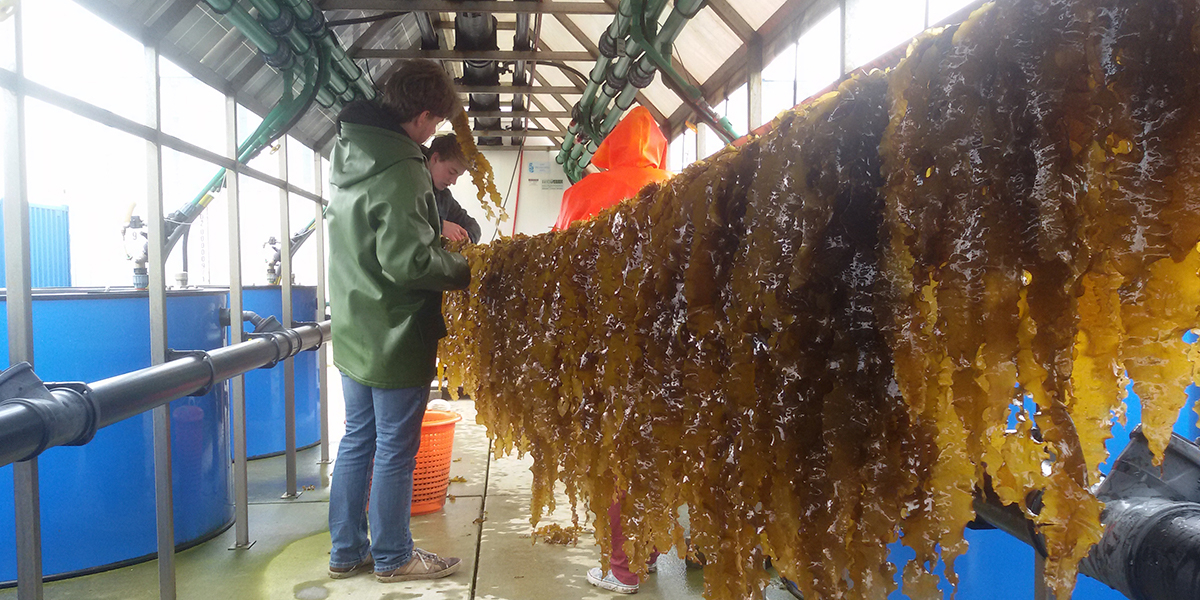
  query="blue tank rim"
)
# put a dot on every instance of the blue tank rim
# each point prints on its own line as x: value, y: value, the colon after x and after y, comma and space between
x: 129, y: 562
x: 107, y: 293
x: 257, y: 287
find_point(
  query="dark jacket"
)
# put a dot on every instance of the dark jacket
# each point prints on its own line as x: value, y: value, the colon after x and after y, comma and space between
x: 450, y: 210
x: 387, y: 268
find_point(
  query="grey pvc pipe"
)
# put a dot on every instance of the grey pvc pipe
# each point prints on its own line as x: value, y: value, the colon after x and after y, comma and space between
x: 32, y: 420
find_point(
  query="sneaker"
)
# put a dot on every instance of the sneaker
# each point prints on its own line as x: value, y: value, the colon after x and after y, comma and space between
x: 652, y: 567
x: 422, y: 565
x: 361, y: 566
x: 608, y: 582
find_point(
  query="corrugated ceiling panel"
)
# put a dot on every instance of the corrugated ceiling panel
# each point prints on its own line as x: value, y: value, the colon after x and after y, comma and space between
x: 662, y: 98
x: 756, y: 13
x: 709, y: 44
x: 592, y: 25
x: 557, y: 36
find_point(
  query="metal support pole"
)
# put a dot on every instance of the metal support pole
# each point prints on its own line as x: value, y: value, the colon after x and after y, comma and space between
x: 322, y: 358
x: 1040, y: 591
x: 289, y: 365
x: 701, y: 141
x: 844, y: 68
x: 754, y: 82
x: 164, y: 500
x: 237, y: 385
x: 26, y: 495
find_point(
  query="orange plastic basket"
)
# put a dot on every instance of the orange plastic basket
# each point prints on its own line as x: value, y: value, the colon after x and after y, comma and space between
x: 431, y: 478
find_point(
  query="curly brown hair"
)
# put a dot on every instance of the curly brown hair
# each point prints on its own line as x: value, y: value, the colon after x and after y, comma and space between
x: 447, y: 148
x: 421, y: 85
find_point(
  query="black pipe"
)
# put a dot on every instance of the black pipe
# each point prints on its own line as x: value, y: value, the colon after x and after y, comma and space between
x: 34, y: 418
x: 1150, y: 549
x: 477, y: 31
x: 429, y: 37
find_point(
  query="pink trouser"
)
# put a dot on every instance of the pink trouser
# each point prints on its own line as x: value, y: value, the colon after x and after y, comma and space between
x: 620, y: 562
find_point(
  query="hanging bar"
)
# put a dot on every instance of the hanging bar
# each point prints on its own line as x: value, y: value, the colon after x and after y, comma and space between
x: 164, y: 502
x: 237, y: 384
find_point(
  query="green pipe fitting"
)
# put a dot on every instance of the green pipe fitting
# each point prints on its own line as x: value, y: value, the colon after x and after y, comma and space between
x: 268, y: 9
x: 246, y: 24
x: 351, y: 70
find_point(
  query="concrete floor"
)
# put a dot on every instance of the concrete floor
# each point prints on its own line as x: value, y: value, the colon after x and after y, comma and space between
x: 486, y: 523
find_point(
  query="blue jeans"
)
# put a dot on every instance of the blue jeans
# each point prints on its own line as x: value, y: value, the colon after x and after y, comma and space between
x: 384, y: 425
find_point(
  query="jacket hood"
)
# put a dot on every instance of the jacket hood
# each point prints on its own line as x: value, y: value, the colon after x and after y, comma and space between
x: 635, y: 142
x: 366, y: 150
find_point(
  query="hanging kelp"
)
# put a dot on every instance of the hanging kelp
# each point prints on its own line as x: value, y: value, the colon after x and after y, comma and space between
x: 816, y: 341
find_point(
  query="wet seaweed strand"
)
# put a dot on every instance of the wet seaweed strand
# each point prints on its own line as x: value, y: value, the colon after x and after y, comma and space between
x: 815, y: 342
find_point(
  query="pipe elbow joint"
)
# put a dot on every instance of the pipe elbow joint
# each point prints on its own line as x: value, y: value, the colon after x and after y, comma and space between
x: 313, y: 26
x: 642, y: 75
x: 66, y: 416
x: 281, y: 59
x: 279, y: 26
x: 607, y: 46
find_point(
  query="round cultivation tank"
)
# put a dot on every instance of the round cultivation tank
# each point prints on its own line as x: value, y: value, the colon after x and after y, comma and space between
x: 265, y: 425
x: 97, y: 500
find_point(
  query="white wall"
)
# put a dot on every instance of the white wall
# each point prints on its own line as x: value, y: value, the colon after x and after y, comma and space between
x: 535, y: 207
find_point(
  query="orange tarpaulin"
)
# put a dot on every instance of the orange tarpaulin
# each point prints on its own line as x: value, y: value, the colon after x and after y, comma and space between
x: 632, y: 156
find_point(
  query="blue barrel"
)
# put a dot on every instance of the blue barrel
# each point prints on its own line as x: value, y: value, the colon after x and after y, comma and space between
x: 265, y: 425
x: 997, y: 566
x: 97, y: 501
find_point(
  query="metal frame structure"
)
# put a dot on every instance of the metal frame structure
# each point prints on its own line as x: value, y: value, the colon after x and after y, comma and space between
x: 14, y: 90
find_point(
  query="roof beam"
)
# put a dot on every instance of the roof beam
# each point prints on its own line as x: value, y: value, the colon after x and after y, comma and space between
x: 506, y: 55
x: 732, y: 19
x: 500, y: 25
x: 784, y: 27
x: 521, y: 114
x: 524, y: 147
x: 473, y: 6
x: 369, y: 36
x: 517, y: 89
x: 516, y: 132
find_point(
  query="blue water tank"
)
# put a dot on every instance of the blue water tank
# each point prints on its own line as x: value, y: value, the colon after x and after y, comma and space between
x: 997, y: 566
x: 97, y: 500
x: 49, y: 246
x: 265, y: 424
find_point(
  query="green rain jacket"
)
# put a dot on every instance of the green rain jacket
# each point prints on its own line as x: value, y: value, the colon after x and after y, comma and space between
x: 387, y: 268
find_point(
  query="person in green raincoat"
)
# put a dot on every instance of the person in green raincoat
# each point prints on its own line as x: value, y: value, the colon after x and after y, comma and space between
x: 387, y: 272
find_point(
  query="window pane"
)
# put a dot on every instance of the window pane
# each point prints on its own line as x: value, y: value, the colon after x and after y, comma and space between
x: 300, y: 165
x: 675, y: 154
x: 737, y: 110
x: 304, y: 259
x: 777, y: 97
x: 940, y: 9
x: 876, y: 26
x: 266, y: 160
x: 260, y: 222
x: 8, y: 38
x: 186, y: 180
x: 107, y: 180
x: 109, y: 71
x: 689, y: 147
x: 782, y: 67
x: 818, y: 54
x: 191, y: 110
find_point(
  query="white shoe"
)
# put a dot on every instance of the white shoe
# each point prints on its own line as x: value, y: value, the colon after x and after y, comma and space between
x: 608, y: 582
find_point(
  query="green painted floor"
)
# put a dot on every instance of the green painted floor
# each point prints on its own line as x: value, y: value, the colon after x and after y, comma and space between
x: 486, y: 523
